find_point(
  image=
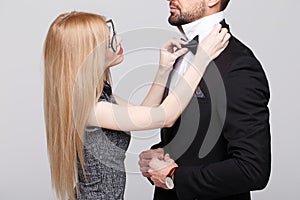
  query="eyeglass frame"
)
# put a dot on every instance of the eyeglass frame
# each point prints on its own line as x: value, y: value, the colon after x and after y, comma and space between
x: 113, y: 38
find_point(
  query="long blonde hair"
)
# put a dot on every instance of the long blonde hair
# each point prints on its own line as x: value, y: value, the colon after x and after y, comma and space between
x: 74, y: 59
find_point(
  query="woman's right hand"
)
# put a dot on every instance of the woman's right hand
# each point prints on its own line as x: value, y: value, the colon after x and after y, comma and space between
x: 169, y: 52
x: 213, y: 44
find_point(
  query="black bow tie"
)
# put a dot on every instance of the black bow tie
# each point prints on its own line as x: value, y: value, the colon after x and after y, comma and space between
x: 192, y: 45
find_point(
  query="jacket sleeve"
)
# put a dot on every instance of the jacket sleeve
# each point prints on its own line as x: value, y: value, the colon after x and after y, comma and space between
x: 247, y: 132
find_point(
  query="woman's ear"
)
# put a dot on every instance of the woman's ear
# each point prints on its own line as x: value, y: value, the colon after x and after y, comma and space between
x: 212, y: 3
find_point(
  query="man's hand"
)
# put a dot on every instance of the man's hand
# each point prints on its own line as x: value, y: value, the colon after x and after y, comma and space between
x: 159, y: 170
x: 146, y: 157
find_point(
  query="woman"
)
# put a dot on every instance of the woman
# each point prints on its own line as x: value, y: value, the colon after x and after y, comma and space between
x: 79, y: 50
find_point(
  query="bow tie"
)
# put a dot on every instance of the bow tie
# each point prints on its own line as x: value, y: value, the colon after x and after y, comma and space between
x: 192, y: 45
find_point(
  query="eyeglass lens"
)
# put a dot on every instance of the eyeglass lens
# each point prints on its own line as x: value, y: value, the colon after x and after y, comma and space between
x: 113, y: 39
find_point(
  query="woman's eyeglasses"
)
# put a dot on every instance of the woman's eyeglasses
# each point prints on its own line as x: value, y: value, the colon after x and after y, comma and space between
x: 112, y: 43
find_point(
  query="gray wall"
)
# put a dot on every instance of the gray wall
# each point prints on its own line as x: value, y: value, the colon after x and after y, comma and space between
x: 269, y: 27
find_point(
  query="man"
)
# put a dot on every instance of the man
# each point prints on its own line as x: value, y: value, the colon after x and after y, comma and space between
x: 221, y: 143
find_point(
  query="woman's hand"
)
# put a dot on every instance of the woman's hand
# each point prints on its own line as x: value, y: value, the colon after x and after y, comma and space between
x: 213, y: 44
x: 169, y: 52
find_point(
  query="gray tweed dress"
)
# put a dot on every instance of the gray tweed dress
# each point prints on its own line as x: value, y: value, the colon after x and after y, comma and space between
x: 104, y: 152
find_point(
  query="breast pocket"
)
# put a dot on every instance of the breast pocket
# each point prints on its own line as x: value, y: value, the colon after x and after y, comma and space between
x: 199, y: 93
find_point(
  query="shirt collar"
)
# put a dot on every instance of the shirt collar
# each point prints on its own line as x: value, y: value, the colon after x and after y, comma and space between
x: 201, y: 27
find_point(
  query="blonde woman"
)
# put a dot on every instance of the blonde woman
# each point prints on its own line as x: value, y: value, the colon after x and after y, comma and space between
x: 86, y: 161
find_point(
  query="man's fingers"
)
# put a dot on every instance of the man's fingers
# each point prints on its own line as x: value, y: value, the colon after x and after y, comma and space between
x: 167, y: 157
x: 144, y: 163
x: 159, y: 150
x: 160, y: 156
x: 146, y: 174
x: 153, y: 164
x: 145, y: 169
x: 147, y: 154
x: 151, y: 154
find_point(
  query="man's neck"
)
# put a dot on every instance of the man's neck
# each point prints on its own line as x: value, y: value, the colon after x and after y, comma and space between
x: 201, y: 27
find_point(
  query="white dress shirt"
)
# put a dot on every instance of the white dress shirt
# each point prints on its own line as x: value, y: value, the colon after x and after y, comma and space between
x: 202, y: 28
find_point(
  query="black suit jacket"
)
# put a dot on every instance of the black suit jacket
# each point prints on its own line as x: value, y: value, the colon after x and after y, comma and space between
x: 234, y: 110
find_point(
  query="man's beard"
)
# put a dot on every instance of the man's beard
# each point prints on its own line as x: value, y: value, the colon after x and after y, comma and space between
x: 187, y: 17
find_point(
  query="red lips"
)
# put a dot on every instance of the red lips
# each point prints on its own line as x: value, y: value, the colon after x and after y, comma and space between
x: 120, y: 51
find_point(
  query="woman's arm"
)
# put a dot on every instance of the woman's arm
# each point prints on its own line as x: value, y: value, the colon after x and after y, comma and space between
x: 169, y: 52
x: 155, y: 94
x: 127, y: 118
x: 121, y: 101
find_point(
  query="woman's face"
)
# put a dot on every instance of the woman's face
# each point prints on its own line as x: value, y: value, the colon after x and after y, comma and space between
x: 114, y: 53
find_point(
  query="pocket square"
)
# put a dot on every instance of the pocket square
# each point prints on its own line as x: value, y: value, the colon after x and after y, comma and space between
x: 199, y: 93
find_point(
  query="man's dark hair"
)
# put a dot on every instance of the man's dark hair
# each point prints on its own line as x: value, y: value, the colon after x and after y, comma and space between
x: 224, y: 4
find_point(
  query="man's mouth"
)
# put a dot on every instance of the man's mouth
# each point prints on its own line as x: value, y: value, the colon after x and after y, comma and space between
x: 173, y: 7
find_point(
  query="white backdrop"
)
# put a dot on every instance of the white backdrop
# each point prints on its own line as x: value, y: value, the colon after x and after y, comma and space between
x: 269, y: 27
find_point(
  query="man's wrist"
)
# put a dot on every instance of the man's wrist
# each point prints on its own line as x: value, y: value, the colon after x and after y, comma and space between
x: 170, y: 177
x: 171, y: 173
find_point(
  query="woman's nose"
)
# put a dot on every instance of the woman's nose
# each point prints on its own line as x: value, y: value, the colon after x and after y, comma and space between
x: 119, y: 39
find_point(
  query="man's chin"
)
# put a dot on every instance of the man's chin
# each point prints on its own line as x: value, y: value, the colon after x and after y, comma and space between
x: 173, y: 20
